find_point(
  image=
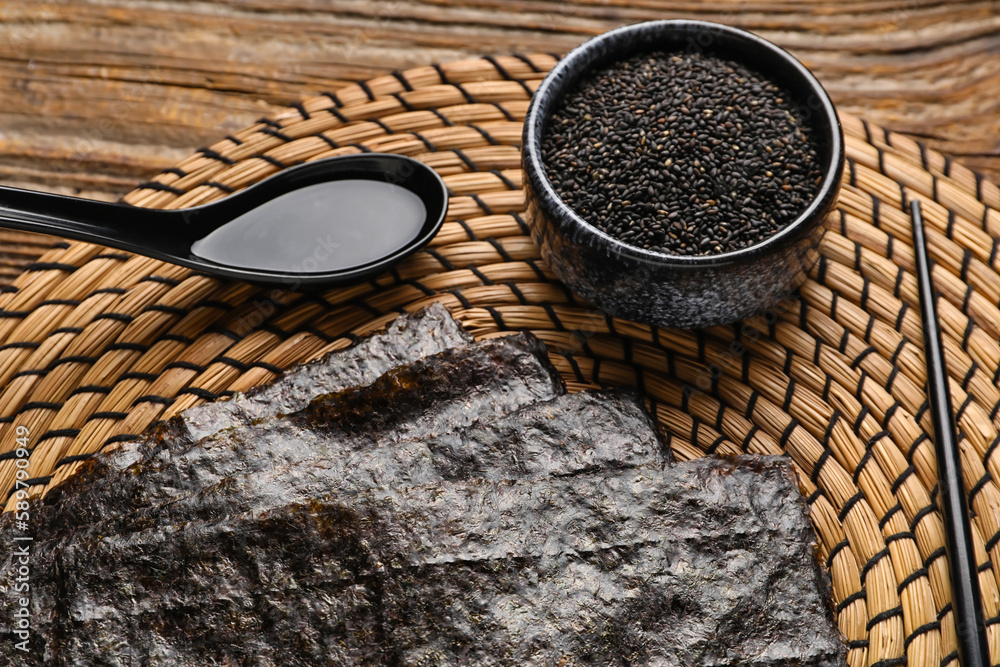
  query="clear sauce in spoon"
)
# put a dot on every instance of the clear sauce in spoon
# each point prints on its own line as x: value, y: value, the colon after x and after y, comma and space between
x: 324, y: 227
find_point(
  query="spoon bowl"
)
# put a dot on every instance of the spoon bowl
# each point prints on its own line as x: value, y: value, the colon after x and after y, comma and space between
x: 320, y: 224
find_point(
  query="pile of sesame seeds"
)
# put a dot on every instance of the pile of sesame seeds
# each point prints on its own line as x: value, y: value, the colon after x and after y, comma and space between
x: 686, y: 154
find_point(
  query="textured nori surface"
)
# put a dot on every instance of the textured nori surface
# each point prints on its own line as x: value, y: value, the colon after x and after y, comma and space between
x: 708, y: 562
x: 458, y: 510
x: 426, y: 398
x: 565, y: 436
x: 407, y: 339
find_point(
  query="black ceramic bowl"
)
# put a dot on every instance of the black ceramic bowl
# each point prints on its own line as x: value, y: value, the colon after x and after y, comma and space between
x: 655, y: 287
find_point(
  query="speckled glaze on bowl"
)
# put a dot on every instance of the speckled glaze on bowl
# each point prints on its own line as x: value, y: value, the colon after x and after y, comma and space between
x: 670, y: 290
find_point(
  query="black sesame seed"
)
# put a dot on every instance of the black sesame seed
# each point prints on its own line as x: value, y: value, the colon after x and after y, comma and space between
x: 690, y: 143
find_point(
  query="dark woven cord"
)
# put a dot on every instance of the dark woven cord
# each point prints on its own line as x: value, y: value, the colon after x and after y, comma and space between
x: 884, y: 521
x: 872, y: 562
x: 32, y: 481
x: 882, y: 618
x: 840, y: 546
x: 851, y: 599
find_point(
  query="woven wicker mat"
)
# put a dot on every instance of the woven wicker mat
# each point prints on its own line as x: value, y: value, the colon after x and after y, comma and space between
x: 95, y: 345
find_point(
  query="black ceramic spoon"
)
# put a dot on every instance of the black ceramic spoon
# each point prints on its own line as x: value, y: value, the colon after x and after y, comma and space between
x: 965, y: 594
x: 319, y: 224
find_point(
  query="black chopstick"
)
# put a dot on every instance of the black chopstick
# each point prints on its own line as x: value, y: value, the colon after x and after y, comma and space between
x: 966, y: 602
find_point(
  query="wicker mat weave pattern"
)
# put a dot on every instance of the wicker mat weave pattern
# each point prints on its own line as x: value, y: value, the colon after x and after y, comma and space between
x: 96, y: 345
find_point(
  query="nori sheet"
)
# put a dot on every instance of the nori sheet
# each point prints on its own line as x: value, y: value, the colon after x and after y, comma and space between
x: 565, y: 436
x: 408, y: 338
x: 426, y: 398
x: 709, y: 562
x: 458, y: 510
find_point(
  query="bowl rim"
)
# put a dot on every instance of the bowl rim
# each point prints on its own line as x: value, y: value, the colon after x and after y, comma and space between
x: 562, y: 75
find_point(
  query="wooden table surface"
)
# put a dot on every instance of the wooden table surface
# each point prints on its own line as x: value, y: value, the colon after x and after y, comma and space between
x: 101, y: 94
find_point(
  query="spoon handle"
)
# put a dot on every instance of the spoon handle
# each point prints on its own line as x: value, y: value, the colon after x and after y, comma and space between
x: 116, y: 225
x: 965, y: 594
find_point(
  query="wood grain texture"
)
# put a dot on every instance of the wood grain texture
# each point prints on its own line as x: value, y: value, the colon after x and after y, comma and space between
x: 101, y: 94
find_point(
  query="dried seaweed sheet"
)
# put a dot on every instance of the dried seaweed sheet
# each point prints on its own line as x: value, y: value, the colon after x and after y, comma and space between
x: 565, y: 436
x: 426, y: 398
x: 408, y: 338
x: 707, y: 562
x: 457, y: 510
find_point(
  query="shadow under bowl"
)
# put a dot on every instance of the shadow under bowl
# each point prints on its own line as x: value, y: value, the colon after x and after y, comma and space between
x: 660, y: 288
